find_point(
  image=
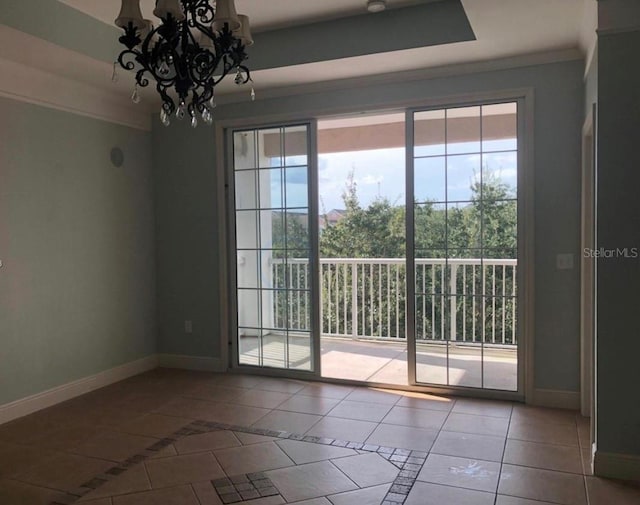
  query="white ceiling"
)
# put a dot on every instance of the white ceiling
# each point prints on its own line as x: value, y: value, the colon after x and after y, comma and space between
x: 263, y: 14
x: 504, y: 29
x: 490, y: 17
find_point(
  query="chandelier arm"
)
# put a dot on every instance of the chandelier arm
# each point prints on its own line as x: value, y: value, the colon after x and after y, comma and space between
x: 208, y: 93
x: 225, y: 71
x: 195, y: 105
x: 141, y: 79
x: 153, y: 33
x: 205, y: 30
x: 231, y: 63
x: 203, y: 67
x: 200, y: 9
x: 167, y: 102
x: 130, y: 64
x: 143, y: 60
x: 219, y: 50
x: 204, y: 24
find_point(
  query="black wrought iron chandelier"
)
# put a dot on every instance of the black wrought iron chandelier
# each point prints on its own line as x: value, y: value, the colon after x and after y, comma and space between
x: 196, y: 45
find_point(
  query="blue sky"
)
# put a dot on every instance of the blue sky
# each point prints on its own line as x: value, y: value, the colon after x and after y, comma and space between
x: 381, y: 172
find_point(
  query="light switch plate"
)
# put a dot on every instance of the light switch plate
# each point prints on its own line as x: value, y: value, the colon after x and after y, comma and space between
x: 564, y: 261
x: 188, y: 326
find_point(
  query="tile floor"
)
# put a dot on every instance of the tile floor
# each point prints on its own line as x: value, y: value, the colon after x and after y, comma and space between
x: 172, y: 437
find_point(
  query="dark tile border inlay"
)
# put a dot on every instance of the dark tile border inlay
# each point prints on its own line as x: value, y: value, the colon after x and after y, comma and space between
x: 231, y: 489
x: 244, y: 487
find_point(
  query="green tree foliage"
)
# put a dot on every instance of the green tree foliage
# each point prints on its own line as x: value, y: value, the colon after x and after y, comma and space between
x: 494, y: 207
x: 296, y: 238
x: 376, y: 231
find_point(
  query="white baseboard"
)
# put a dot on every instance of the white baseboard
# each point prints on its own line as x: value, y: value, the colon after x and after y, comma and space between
x: 191, y: 363
x: 556, y: 399
x: 64, y: 392
x: 616, y: 466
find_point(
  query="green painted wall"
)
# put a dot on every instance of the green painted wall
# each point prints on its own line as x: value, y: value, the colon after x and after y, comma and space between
x: 187, y: 239
x: 77, y: 285
x: 618, y: 226
x: 188, y: 235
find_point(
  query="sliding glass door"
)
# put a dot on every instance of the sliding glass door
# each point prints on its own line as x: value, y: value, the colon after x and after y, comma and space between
x: 445, y: 304
x: 275, y: 310
x: 462, y: 228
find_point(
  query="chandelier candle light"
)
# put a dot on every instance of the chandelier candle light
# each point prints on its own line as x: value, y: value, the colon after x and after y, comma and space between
x: 195, y: 47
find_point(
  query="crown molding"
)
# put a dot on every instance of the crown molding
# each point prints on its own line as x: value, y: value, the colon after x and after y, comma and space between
x: 37, y: 71
x: 27, y: 84
x: 526, y: 60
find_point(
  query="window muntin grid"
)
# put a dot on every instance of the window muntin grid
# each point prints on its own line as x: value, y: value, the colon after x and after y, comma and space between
x: 271, y: 180
x: 451, y: 144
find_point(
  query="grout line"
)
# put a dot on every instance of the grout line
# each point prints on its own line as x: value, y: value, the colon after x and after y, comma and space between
x: 322, y: 418
x: 195, y: 494
x: 504, y: 449
x: 586, y: 490
x: 146, y: 471
x: 378, y: 370
x: 343, y: 473
x: 577, y: 447
x: 35, y: 485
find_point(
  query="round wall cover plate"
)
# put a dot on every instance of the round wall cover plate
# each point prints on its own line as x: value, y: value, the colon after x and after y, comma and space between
x: 117, y: 157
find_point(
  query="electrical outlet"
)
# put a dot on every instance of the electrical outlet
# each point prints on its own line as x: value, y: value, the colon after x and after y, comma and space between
x: 188, y: 326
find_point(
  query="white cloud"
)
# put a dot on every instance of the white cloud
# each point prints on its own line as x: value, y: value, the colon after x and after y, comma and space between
x: 370, y: 180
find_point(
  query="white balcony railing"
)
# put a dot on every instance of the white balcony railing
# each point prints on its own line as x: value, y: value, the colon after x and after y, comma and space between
x: 461, y: 299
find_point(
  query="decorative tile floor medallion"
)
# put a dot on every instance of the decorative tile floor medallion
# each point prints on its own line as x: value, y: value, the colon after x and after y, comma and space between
x: 245, y: 487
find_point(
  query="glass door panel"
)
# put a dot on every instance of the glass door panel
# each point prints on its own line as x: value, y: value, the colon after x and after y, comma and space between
x: 273, y: 247
x: 463, y: 180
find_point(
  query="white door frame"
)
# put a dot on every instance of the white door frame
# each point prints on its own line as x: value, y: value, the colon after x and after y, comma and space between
x: 587, y: 266
x: 526, y: 312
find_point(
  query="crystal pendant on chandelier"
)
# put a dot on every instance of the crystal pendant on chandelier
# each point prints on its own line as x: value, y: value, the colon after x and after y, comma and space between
x: 182, y: 110
x: 207, y: 117
x: 164, y: 117
x: 114, y: 76
x: 135, y: 96
x: 194, y: 47
x: 164, y: 68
